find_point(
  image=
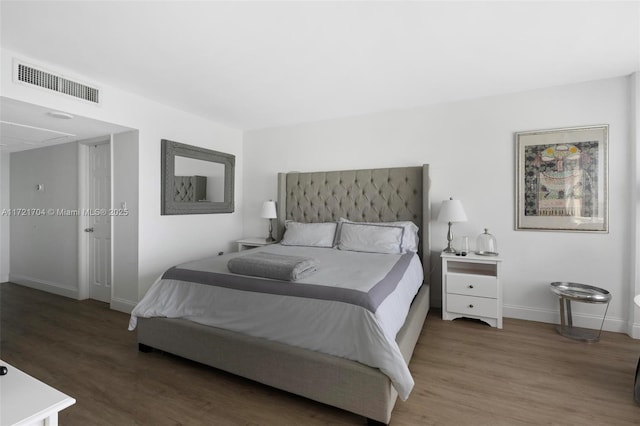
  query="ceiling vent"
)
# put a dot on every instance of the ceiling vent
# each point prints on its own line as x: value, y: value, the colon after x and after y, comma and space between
x: 37, y: 77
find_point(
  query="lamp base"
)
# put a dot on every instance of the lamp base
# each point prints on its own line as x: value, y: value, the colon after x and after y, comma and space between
x: 270, y: 238
x: 449, y: 248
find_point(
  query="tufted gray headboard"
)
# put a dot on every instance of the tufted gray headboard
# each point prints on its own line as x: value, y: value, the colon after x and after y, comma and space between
x: 369, y: 195
x: 190, y: 188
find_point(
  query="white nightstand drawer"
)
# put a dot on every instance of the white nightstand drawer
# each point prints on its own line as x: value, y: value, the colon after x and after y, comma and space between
x: 472, y: 285
x: 476, y: 306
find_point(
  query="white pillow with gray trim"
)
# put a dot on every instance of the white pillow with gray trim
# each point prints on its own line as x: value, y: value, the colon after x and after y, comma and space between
x: 410, y: 237
x: 371, y: 238
x: 321, y: 234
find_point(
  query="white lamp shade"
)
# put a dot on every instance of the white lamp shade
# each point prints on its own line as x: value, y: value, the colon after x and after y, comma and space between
x: 452, y: 211
x: 268, y: 210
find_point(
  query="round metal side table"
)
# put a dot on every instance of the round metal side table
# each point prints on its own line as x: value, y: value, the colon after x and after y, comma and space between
x: 568, y: 292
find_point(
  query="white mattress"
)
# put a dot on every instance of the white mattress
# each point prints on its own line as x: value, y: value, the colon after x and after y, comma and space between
x: 334, y: 327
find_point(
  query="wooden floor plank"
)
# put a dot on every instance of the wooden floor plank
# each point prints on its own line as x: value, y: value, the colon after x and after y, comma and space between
x: 466, y: 373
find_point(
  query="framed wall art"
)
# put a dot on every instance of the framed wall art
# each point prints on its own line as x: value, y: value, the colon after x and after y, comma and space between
x: 562, y: 182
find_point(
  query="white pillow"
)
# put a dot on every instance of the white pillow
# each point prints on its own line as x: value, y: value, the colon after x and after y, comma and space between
x: 371, y: 238
x: 309, y: 234
x: 410, y: 237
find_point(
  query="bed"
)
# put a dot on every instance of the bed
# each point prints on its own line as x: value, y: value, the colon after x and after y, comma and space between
x: 361, y: 196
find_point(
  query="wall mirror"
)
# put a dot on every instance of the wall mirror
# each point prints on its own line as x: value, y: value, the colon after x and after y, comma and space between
x: 196, y: 180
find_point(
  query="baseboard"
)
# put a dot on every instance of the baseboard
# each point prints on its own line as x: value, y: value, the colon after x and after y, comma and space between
x: 634, y: 331
x: 4, y: 278
x: 594, y: 322
x: 43, y: 285
x: 122, y: 305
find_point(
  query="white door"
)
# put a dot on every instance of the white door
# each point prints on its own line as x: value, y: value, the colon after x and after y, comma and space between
x: 99, y: 223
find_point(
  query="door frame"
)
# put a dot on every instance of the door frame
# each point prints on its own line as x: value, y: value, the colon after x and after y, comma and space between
x: 84, y: 183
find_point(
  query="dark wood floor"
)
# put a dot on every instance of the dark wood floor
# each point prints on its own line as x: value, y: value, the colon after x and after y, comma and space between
x: 466, y: 373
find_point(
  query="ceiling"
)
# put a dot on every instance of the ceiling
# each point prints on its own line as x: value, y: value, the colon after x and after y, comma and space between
x: 253, y: 65
x: 26, y: 126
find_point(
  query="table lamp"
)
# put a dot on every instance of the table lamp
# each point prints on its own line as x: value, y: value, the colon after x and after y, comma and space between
x: 451, y: 211
x: 269, y: 212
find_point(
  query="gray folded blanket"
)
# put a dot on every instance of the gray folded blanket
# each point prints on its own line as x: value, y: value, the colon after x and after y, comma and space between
x: 276, y: 266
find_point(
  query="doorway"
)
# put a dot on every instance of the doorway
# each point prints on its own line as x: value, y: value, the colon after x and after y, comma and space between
x: 95, y: 271
x: 41, y: 254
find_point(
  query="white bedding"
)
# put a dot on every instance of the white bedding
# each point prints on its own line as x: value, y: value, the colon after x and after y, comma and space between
x: 337, y: 328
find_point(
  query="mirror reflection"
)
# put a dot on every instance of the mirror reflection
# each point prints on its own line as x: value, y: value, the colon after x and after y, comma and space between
x: 198, y: 180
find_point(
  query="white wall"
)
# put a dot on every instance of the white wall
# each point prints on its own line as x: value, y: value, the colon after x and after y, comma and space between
x: 470, y: 147
x: 124, y: 185
x: 4, y: 218
x: 163, y: 241
x: 44, y: 250
x: 634, y: 197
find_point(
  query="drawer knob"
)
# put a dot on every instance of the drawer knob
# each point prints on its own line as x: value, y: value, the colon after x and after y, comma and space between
x: 470, y: 286
x: 471, y: 306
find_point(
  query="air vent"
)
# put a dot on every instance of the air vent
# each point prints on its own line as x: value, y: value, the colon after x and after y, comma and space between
x: 46, y: 80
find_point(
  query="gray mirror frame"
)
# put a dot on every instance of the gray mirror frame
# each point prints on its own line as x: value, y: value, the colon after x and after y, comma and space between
x: 170, y: 207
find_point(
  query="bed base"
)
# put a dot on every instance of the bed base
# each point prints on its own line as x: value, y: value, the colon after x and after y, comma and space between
x: 335, y: 381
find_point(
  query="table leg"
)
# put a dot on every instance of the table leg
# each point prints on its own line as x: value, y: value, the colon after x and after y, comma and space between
x: 569, y: 316
x: 562, y: 320
x: 636, y: 385
x: 52, y: 420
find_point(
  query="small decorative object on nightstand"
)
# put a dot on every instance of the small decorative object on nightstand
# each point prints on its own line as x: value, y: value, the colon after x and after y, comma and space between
x: 249, y: 243
x: 451, y: 211
x: 471, y: 288
x: 486, y: 244
x: 269, y: 212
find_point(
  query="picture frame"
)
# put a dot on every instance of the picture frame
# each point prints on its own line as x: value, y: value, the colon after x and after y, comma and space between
x: 562, y: 179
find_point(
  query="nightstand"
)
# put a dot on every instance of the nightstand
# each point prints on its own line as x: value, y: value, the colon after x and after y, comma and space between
x: 249, y: 243
x: 471, y: 288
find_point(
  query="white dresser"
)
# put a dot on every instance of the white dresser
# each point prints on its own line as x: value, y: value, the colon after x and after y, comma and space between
x: 471, y: 288
x: 26, y: 401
